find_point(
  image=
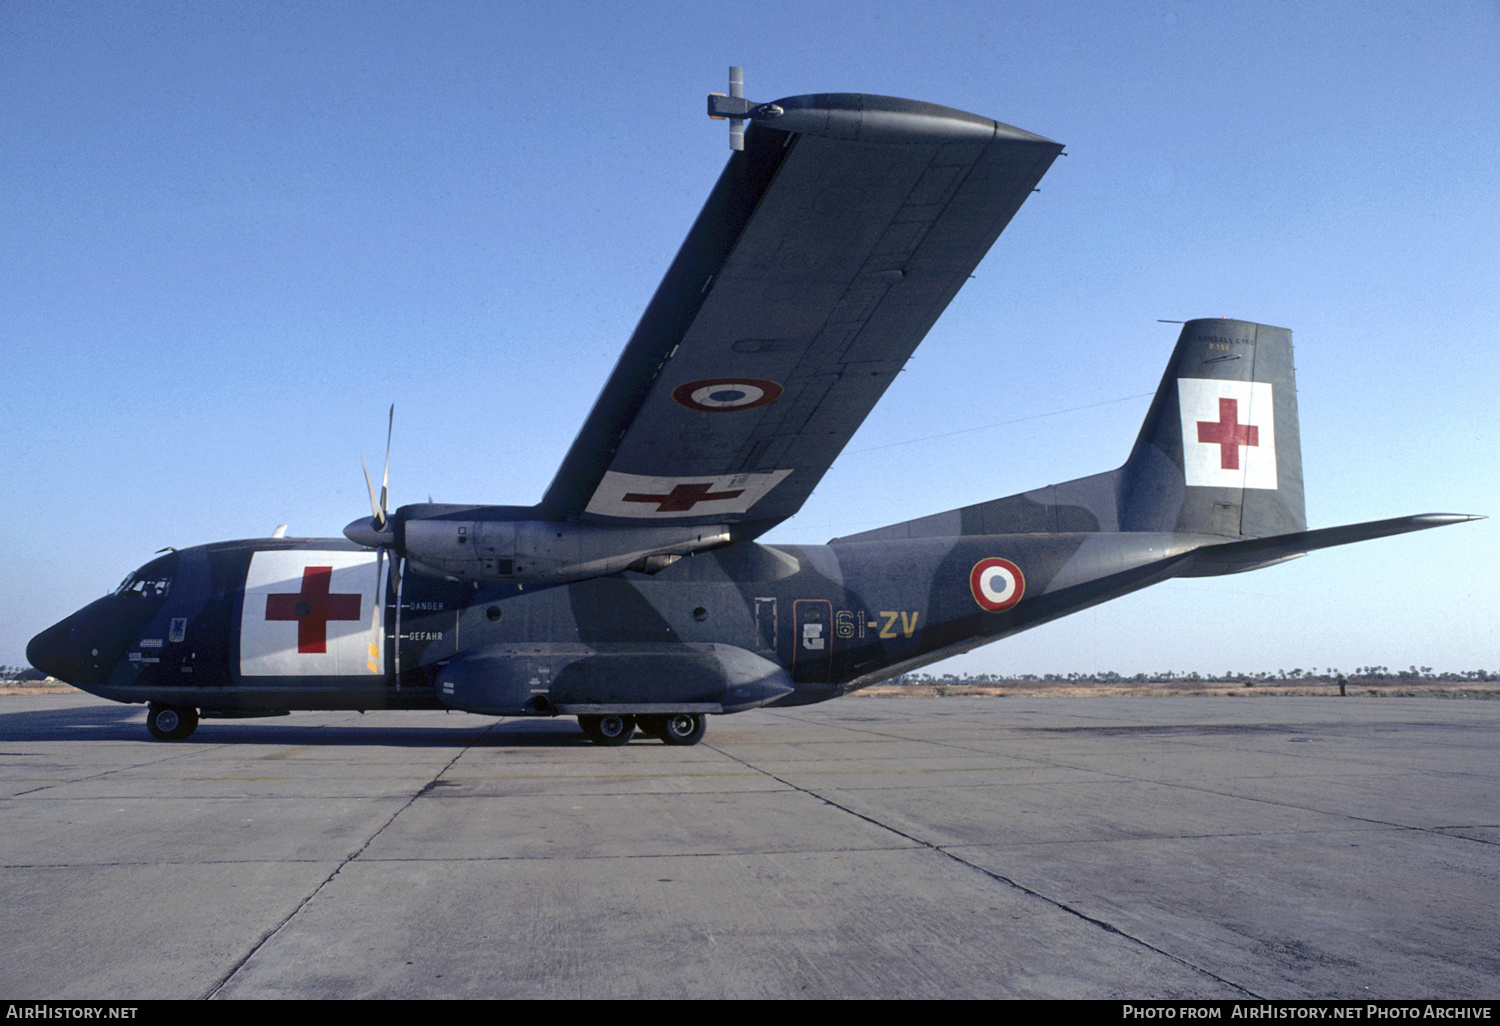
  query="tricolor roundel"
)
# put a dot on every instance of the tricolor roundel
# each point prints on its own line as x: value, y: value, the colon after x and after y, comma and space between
x: 721, y: 395
x: 997, y: 584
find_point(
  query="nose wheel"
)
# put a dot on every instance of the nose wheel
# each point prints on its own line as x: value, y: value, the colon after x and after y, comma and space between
x: 171, y: 722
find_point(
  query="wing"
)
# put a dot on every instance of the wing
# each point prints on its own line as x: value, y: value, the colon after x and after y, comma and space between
x: 826, y: 251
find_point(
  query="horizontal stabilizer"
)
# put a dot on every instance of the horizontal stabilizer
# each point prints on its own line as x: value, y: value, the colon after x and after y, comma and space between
x: 1237, y: 556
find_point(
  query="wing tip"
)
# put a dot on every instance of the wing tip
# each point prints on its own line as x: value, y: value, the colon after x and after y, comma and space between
x: 865, y: 117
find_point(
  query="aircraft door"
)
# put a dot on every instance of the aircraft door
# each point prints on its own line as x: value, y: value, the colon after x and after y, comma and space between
x: 765, y: 625
x: 426, y: 625
x: 812, y: 641
x: 311, y: 612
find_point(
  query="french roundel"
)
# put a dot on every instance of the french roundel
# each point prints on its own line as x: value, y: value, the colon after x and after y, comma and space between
x: 997, y: 584
x: 721, y: 395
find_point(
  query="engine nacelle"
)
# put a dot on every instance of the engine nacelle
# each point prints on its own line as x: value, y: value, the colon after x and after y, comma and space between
x: 544, y: 551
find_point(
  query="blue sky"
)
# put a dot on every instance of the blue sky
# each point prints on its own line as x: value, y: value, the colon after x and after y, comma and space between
x: 232, y: 234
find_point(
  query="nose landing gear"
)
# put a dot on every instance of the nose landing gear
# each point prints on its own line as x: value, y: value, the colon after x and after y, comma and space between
x: 171, y: 722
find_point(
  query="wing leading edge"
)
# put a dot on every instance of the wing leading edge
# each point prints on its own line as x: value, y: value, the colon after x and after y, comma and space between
x: 824, y: 254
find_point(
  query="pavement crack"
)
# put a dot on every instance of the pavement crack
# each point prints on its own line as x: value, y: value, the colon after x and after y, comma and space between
x: 997, y: 877
x: 265, y: 938
x: 114, y: 771
x: 1095, y: 921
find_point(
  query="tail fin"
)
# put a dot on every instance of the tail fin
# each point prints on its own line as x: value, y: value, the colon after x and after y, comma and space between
x: 1220, y: 451
x: 1219, y: 454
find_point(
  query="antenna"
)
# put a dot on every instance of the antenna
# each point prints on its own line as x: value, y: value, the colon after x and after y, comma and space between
x: 736, y: 92
x: 735, y: 109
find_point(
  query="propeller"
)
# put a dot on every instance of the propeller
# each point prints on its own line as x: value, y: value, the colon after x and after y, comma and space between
x: 375, y: 530
x: 379, y: 515
x: 375, y: 660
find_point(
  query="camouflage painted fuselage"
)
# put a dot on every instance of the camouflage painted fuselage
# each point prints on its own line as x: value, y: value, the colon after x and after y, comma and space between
x: 742, y: 626
x: 1213, y: 485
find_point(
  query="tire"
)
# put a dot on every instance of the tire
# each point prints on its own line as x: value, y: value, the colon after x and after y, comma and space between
x: 684, y: 728
x: 610, y: 730
x: 171, y: 722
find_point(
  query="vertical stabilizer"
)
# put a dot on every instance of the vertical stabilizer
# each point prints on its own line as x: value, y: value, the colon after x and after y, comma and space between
x: 1220, y: 451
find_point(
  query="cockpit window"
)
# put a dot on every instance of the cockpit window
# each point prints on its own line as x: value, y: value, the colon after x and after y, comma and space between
x: 150, y: 586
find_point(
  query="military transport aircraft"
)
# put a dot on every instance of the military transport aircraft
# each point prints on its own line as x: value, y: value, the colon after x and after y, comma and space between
x: 635, y: 594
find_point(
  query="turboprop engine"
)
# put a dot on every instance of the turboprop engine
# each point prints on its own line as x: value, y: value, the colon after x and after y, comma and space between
x: 514, y: 544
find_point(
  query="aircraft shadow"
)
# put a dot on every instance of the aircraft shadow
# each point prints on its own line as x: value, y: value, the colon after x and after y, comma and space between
x: 126, y: 723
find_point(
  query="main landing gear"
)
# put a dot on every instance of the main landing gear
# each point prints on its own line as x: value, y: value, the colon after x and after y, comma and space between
x: 171, y: 722
x: 618, y: 728
x: 610, y: 729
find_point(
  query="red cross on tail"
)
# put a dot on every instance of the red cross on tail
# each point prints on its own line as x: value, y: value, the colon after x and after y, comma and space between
x: 1228, y: 434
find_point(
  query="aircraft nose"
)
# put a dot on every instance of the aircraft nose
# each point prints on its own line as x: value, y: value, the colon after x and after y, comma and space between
x: 49, y: 650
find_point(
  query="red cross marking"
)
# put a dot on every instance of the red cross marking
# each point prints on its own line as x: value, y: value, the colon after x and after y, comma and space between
x: 312, y: 608
x: 1228, y: 434
x: 683, y: 497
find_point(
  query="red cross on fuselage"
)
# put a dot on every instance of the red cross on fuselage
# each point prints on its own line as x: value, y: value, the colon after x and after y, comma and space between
x: 312, y: 608
x: 683, y: 497
x: 1228, y: 434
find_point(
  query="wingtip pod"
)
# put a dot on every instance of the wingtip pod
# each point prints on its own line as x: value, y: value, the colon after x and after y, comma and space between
x: 859, y: 117
x: 865, y: 118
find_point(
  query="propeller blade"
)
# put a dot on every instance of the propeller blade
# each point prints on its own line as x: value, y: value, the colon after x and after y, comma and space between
x: 385, y: 477
x: 376, y: 532
x: 377, y: 515
x: 379, y: 511
x: 373, y: 661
